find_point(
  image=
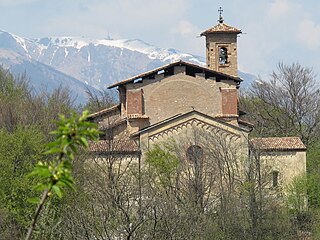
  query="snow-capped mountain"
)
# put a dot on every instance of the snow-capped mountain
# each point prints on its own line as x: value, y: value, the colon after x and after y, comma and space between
x: 97, y: 63
x: 134, y: 45
x: 83, y: 62
x: 17, y: 54
x: 102, y: 62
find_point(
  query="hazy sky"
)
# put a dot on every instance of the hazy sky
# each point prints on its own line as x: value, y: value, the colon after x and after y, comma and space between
x: 274, y: 30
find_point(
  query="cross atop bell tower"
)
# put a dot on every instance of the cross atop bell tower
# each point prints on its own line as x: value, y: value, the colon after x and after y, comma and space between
x: 221, y: 47
x: 220, y: 10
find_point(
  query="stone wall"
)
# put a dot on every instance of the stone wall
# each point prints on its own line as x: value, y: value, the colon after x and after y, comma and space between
x: 164, y: 97
x: 214, y: 42
x: 289, y: 164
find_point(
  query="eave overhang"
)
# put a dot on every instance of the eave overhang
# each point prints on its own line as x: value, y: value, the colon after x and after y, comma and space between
x: 168, y: 69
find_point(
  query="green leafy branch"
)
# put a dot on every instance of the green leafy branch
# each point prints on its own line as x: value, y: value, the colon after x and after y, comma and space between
x: 71, y: 134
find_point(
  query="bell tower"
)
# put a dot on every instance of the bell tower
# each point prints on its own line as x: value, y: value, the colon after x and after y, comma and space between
x: 221, y: 47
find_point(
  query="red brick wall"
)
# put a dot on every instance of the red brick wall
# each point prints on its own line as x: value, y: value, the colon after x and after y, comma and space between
x: 229, y: 101
x: 134, y: 102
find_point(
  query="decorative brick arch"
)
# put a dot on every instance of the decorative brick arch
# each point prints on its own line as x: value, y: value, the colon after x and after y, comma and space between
x: 170, y: 132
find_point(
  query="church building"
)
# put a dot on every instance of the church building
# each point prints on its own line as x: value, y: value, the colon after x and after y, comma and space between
x: 177, y: 99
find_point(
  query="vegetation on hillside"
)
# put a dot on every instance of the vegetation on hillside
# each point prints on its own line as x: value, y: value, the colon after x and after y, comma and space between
x: 173, y: 195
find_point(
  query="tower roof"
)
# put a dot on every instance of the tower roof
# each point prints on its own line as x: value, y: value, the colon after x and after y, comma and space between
x: 221, y: 27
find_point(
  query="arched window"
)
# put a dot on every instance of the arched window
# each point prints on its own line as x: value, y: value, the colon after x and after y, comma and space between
x: 195, y: 154
x: 223, y: 55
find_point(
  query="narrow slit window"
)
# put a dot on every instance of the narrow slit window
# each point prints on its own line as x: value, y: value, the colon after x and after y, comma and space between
x: 275, y: 178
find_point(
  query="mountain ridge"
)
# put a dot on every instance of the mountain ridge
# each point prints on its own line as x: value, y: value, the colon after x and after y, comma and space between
x: 97, y: 63
x: 138, y: 45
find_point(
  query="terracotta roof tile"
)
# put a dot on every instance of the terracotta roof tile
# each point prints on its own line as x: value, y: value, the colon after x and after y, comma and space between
x: 109, y: 146
x: 221, y: 28
x: 278, y: 143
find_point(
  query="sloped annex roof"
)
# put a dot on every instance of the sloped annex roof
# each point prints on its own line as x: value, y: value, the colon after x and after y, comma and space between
x: 221, y: 28
x: 191, y: 69
x: 278, y: 143
x: 104, y: 111
x: 122, y: 146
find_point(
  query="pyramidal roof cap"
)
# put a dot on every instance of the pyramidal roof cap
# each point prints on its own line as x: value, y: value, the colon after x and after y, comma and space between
x: 221, y: 27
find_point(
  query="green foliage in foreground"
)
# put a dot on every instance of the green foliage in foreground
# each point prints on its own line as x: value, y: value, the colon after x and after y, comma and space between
x: 313, y: 169
x: 18, y: 153
x: 71, y: 134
